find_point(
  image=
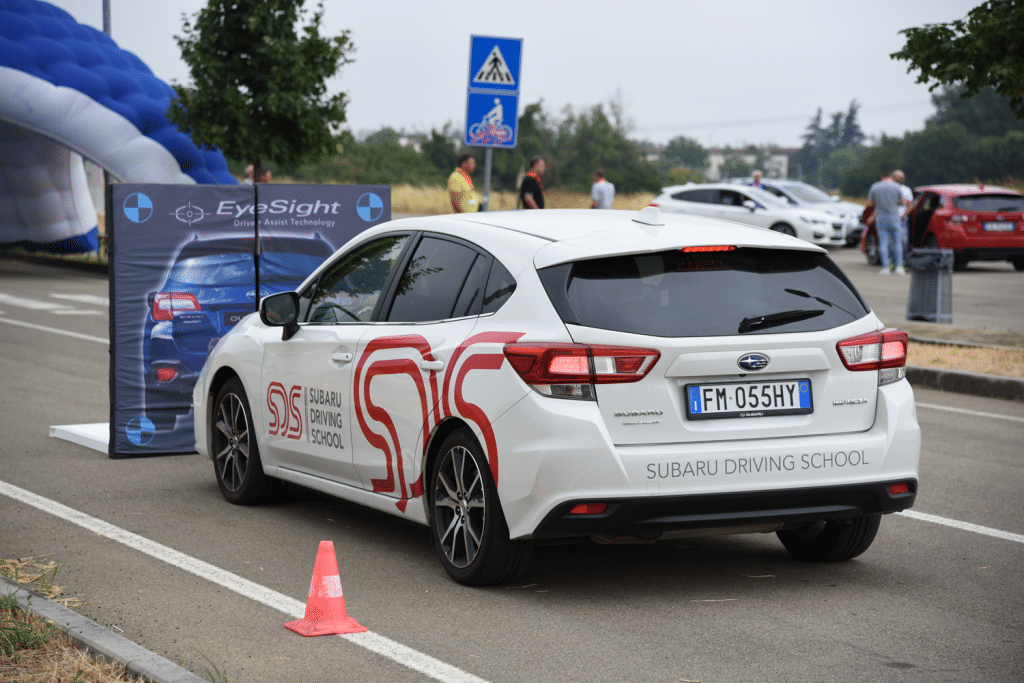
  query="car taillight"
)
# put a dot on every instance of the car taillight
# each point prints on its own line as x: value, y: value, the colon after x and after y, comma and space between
x: 165, y: 374
x: 718, y: 247
x: 884, y: 351
x: 168, y: 304
x: 571, y: 370
x: 653, y: 204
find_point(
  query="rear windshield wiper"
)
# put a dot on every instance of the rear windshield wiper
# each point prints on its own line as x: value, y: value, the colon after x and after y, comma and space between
x: 760, y: 322
x: 819, y: 300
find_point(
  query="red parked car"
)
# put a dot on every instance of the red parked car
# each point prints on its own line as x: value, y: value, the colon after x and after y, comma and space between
x: 978, y: 222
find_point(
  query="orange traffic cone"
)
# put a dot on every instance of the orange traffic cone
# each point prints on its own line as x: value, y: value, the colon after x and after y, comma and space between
x: 325, y: 608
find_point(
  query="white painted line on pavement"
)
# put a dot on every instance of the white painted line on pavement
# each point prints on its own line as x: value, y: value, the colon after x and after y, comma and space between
x: 964, y: 526
x: 101, y: 301
x: 976, y: 413
x: 66, y: 333
x: 374, y: 642
x: 33, y: 304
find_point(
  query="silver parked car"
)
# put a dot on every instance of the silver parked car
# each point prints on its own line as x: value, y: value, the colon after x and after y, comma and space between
x: 801, y: 194
x: 751, y: 206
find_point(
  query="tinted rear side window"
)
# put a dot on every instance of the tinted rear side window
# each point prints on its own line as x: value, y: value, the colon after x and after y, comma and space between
x: 433, y: 281
x: 989, y: 202
x: 672, y: 294
x: 701, y: 196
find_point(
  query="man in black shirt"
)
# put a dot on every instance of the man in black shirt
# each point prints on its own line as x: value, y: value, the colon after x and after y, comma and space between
x: 531, y: 192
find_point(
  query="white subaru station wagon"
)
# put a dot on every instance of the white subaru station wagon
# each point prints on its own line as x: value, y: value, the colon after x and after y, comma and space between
x: 515, y: 378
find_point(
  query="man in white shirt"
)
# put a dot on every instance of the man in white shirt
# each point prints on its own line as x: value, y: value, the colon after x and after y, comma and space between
x: 602, y: 192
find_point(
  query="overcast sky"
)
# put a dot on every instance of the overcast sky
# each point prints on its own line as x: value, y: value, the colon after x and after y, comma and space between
x: 731, y: 72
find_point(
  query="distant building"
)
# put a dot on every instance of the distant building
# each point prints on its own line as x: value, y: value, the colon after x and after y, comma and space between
x: 776, y: 165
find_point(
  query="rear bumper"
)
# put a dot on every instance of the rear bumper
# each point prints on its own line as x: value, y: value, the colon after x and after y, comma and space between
x: 650, y: 518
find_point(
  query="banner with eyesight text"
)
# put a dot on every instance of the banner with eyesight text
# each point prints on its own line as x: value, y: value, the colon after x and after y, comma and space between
x: 187, y: 263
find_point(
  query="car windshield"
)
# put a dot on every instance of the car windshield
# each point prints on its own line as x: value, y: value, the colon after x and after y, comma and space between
x: 808, y: 193
x: 705, y: 294
x: 990, y: 202
x: 766, y: 198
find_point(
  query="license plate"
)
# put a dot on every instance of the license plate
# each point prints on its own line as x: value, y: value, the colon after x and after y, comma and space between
x: 998, y: 226
x: 232, y: 318
x: 748, y: 399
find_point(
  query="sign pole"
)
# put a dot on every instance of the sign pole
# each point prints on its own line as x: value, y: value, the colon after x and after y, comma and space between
x: 488, y: 152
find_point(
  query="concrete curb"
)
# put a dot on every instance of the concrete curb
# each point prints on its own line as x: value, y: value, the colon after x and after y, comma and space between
x: 88, y: 635
x: 973, y: 383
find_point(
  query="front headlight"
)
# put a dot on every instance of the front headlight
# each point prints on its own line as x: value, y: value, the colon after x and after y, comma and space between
x: 812, y: 220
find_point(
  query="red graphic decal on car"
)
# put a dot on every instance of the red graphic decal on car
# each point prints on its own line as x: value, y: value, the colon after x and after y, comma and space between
x: 388, y: 442
x: 479, y: 361
x: 285, y: 413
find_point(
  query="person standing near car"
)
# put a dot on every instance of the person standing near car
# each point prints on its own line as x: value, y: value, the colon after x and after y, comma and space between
x: 887, y: 199
x: 908, y: 197
x: 460, y: 186
x: 602, y: 192
x: 756, y: 182
x: 531, y: 192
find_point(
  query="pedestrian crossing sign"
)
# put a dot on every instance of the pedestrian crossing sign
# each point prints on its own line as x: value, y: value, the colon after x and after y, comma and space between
x: 494, y: 63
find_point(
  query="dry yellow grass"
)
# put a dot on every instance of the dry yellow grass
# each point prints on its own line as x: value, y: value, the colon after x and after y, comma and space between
x: 53, y: 658
x: 434, y: 200
x: 1002, y: 362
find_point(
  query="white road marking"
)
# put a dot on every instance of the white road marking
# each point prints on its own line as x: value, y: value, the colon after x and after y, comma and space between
x: 84, y: 299
x: 33, y: 304
x: 964, y: 526
x: 54, y: 330
x: 374, y: 642
x: 976, y: 413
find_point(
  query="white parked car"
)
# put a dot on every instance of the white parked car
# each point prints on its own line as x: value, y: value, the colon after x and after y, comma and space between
x: 801, y: 194
x: 751, y: 206
x: 513, y: 378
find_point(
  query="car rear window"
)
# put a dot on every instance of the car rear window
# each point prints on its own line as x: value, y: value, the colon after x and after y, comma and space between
x: 989, y: 202
x: 676, y: 294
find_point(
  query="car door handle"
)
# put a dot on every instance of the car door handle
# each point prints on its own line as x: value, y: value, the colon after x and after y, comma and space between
x: 434, y: 365
x: 341, y: 357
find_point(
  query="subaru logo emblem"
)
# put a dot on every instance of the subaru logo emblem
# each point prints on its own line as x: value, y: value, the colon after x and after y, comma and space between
x: 753, y: 361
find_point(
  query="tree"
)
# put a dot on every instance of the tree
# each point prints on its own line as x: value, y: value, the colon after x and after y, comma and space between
x: 985, y: 49
x: 260, y: 91
x: 440, y: 149
x: 683, y: 151
x: 986, y: 113
x: 852, y: 135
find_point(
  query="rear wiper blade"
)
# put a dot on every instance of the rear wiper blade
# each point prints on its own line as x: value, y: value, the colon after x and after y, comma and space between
x: 760, y: 322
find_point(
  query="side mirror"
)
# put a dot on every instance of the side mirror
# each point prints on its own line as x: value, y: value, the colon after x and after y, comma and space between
x: 750, y: 204
x: 281, y: 310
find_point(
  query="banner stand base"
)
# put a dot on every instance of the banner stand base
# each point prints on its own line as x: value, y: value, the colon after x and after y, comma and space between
x: 95, y: 436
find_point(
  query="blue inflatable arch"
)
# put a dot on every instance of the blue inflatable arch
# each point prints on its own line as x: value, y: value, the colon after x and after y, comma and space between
x: 67, y: 91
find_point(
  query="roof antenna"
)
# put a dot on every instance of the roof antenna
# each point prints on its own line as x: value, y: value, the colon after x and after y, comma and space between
x: 649, y: 215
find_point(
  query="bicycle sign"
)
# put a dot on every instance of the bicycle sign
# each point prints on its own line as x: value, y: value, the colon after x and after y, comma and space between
x: 486, y: 117
x: 492, y: 98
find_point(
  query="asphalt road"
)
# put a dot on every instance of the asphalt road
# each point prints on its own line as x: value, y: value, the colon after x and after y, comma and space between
x: 938, y: 597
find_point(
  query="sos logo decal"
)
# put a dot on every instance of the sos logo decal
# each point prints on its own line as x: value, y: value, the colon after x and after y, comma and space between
x: 285, y: 410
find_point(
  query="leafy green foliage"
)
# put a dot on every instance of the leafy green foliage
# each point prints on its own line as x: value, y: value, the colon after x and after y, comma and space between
x: 987, y: 113
x: 259, y: 69
x: 984, y: 49
x: 821, y: 142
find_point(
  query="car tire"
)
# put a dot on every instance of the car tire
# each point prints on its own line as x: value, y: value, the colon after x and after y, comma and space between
x: 236, y: 455
x: 831, y: 541
x: 871, y: 251
x: 467, y: 525
x: 784, y: 229
x: 1018, y: 262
